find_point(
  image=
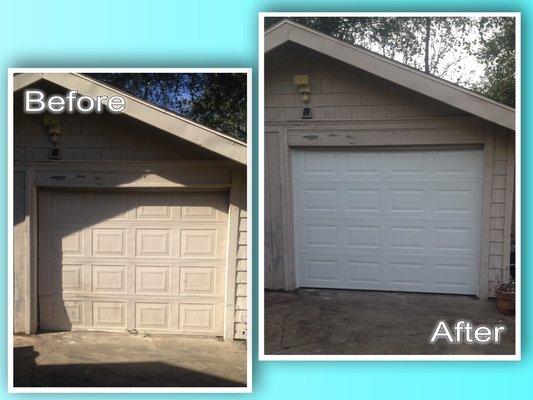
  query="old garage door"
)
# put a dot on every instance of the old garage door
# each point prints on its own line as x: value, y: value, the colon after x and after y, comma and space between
x: 388, y: 220
x: 151, y: 261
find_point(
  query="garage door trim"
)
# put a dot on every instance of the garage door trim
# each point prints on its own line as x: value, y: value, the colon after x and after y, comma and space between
x: 43, y: 176
x: 475, y: 279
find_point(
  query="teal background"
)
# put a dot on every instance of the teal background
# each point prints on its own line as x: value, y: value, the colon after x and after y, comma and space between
x: 211, y: 33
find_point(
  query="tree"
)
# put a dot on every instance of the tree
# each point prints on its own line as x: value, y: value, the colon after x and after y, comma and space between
x: 498, y: 54
x: 430, y: 44
x: 217, y: 100
x: 447, y: 47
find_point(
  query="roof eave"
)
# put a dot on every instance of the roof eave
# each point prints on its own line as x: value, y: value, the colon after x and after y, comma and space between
x: 411, y: 78
x: 137, y: 108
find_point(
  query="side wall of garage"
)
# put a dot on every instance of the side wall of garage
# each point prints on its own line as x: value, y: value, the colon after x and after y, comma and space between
x: 352, y: 108
x: 118, y: 152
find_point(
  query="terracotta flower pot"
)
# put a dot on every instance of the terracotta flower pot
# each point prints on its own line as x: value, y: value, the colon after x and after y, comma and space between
x: 505, y: 299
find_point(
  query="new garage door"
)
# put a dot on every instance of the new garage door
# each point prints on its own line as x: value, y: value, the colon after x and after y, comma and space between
x: 388, y: 220
x: 151, y: 261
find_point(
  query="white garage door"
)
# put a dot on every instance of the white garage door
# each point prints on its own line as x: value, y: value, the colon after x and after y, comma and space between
x: 151, y: 261
x: 388, y: 220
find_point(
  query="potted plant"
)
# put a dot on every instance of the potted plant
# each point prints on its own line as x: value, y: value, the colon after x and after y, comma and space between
x: 505, y: 297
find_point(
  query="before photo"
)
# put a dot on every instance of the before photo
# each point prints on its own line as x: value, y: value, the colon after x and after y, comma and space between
x: 130, y: 261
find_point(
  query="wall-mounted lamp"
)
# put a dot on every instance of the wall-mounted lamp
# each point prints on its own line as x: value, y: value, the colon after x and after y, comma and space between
x: 51, y: 122
x: 302, y: 83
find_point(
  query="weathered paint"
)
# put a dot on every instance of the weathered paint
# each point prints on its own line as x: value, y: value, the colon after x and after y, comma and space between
x: 118, y: 152
x: 353, y: 108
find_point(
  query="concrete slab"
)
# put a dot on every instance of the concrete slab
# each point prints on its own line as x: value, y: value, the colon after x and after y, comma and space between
x: 96, y: 359
x: 323, y: 321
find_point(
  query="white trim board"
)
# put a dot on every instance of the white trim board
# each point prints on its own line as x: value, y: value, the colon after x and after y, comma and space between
x: 393, y: 71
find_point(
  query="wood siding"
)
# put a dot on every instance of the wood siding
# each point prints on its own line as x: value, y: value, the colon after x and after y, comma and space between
x: 115, y: 151
x: 353, y: 108
x: 339, y: 92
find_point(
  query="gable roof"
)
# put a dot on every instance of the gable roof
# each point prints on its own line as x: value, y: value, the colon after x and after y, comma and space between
x: 386, y: 68
x: 148, y: 113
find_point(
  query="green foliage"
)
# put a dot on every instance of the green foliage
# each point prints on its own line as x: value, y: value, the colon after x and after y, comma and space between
x: 498, y: 55
x: 420, y: 42
x: 435, y: 45
x: 217, y: 100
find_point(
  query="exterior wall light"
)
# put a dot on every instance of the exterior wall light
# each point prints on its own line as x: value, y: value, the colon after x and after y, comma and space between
x: 51, y: 122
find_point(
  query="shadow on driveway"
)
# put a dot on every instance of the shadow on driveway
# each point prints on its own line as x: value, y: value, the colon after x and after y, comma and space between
x: 68, y: 360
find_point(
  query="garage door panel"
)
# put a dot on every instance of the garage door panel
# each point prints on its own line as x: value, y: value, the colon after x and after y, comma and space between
x: 110, y: 206
x: 200, y: 318
x: 362, y: 165
x: 152, y: 316
x: 384, y: 218
x: 152, y: 279
x: 457, y: 201
x: 461, y: 165
x: 68, y: 207
x: 402, y: 165
x: 108, y: 242
x: 200, y: 207
x: 109, y: 279
x: 72, y: 278
x: 137, y: 264
x: 154, y: 207
x: 364, y: 273
x: 364, y: 236
x: 389, y: 273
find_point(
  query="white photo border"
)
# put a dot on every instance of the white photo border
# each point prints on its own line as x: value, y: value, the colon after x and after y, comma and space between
x: 249, y: 127
x: 261, y: 205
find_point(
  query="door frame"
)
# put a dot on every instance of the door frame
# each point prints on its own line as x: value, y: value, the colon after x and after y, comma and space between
x: 175, y: 175
x: 437, y: 133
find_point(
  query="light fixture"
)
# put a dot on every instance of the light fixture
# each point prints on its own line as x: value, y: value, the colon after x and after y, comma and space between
x: 302, y: 83
x: 51, y: 122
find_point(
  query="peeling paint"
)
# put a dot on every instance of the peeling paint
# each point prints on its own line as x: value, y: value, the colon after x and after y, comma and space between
x: 311, y: 137
x: 333, y: 135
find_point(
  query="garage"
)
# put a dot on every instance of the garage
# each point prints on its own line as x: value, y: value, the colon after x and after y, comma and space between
x: 381, y: 177
x: 399, y: 220
x: 134, y: 260
x: 126, y: 222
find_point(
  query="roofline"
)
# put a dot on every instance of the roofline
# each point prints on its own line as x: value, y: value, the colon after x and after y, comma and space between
x: 394, y: 71
x: 144, y: 111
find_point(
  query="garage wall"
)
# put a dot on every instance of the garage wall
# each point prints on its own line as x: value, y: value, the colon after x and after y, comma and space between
x: 241, y: 289
x: 19, y: 254
x: 349, y: 104
x: 501, y: 216
x: 94, y: 138
x: 107, y: 138
x: 338, y: 91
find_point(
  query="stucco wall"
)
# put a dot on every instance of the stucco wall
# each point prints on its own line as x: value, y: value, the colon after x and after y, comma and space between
x: 351, y: 106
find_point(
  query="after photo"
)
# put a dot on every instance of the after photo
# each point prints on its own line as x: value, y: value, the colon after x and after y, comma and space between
x: 129, y: 243
x: 390, y: 199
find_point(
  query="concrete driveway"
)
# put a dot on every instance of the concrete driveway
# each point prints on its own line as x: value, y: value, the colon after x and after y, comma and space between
x: 95, y: 359
x: 322, y: 321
